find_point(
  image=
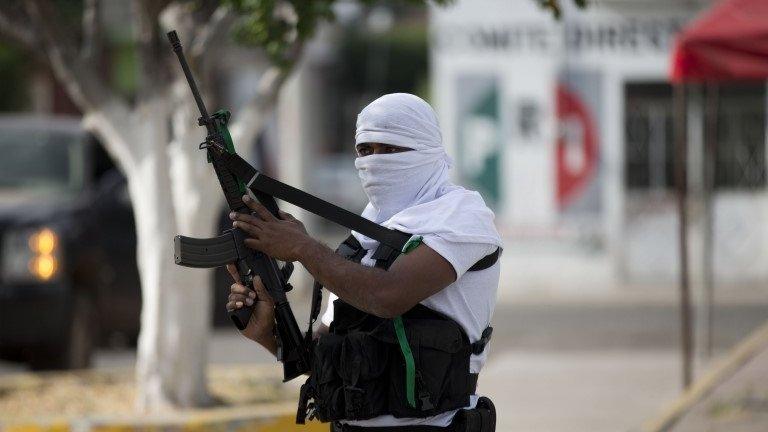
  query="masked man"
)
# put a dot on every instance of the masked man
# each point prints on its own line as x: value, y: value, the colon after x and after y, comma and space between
x: 404, y: 335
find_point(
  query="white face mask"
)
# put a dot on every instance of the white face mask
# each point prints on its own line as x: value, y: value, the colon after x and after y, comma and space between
x: 396, y: 181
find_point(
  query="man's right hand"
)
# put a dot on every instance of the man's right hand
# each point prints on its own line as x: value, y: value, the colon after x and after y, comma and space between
x: 262, y: 321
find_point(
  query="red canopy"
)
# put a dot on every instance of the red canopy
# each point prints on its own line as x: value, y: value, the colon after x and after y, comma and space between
x: 728, y: 42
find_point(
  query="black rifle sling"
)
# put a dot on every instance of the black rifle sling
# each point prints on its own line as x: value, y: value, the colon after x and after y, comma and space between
x: 263, y: 184
x: 326, y: 210
x: 314, y: 310
x: 391, y: 241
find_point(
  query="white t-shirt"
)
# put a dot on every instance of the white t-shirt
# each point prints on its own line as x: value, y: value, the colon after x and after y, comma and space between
x: 470, y: 301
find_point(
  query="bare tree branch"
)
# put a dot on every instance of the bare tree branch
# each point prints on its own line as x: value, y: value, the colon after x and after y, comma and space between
x: 215, y: 28
x: 91, y: 45
x: 177, y: 17
x: 16, y: 27
x: 150, y: 73
x: 252, y: 118
x: 83, y: 85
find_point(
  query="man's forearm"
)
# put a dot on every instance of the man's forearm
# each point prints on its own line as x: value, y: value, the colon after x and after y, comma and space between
x: 270, y: 344
x: 350, y: 281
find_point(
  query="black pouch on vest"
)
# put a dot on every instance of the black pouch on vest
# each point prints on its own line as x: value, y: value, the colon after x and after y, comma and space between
x: 440, y: 351
x: 363, y: 366
x: 359, y: 371
x: 349, y: 375
x: 324, y: 381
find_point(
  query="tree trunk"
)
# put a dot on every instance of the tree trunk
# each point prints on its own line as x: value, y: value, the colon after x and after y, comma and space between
x: 174, y: 191
x: 176, y: 302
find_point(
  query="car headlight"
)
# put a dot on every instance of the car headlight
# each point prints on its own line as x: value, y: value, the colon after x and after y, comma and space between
x: 30, y: 255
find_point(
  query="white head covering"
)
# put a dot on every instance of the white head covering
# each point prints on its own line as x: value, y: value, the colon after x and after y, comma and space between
x: 404, y: 120
x: 410, y: 191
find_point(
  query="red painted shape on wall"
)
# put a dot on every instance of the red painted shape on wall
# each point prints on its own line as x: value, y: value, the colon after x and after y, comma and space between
x: 577, y: 146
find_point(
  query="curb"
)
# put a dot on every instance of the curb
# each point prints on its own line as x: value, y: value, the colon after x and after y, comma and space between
x: 266, y: 416
x: 702, y: 387
x: 276, y: 418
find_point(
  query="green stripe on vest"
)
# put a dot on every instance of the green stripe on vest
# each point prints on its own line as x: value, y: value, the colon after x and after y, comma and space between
x: 405, y: 348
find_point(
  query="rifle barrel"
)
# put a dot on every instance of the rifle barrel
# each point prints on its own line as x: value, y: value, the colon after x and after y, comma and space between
x: 176, y: 43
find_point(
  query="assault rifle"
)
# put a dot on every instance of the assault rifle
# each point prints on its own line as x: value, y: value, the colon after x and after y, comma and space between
x: 235, y: 175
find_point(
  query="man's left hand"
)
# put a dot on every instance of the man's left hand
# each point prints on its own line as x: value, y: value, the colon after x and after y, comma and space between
x: 282, y: 239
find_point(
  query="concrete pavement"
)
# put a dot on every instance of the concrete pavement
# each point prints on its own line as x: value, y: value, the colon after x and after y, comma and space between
x: 595, y: 390
x: 584, y: 364
x: 732, y: 395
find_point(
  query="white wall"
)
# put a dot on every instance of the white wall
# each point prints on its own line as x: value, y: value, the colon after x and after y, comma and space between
x: 596, y: 244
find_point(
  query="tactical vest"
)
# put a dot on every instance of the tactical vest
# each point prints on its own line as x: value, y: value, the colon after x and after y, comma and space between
x: 415, y: 365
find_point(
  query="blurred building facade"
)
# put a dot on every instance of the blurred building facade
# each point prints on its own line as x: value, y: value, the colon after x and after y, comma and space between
x: 368, y: 51
x: 566, y: 128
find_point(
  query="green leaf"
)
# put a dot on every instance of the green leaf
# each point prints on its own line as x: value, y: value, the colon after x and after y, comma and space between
x: 261, y: 23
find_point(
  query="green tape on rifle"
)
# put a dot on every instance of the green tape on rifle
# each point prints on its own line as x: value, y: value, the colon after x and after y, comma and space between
x: 221, y: 119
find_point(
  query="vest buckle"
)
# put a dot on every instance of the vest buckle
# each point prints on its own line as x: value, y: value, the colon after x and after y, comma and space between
x: 424, y: 397
x: 354, y: 398
x: 479, y: 346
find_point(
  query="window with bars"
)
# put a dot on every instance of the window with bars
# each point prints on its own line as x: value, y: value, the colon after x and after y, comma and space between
x: 649, y: 149
x: 740, y: 147
x: 739, y: 150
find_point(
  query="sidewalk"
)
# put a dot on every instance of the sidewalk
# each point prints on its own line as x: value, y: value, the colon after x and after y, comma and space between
x: 579, y: 391
x: 594, y: 365
x: 732, y: 396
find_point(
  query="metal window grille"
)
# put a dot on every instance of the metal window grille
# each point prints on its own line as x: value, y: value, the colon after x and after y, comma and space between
x: 649, y: 147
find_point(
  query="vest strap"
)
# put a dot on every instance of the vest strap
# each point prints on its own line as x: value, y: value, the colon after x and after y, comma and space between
x: 350, y: 249
x: 314, y: 310
x: 486, y: 261
x: 385, y: 256
x: 479, y: 346
x: 473, y: 382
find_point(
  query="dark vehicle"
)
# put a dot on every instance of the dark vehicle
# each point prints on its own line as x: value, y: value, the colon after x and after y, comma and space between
x: 68, y: 275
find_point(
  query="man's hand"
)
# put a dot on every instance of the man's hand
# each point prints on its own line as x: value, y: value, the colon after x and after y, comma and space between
x: 282, y: 239
x: 262, y: 321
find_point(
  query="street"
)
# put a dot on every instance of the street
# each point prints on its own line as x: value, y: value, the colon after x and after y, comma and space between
x: 555, y: 366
